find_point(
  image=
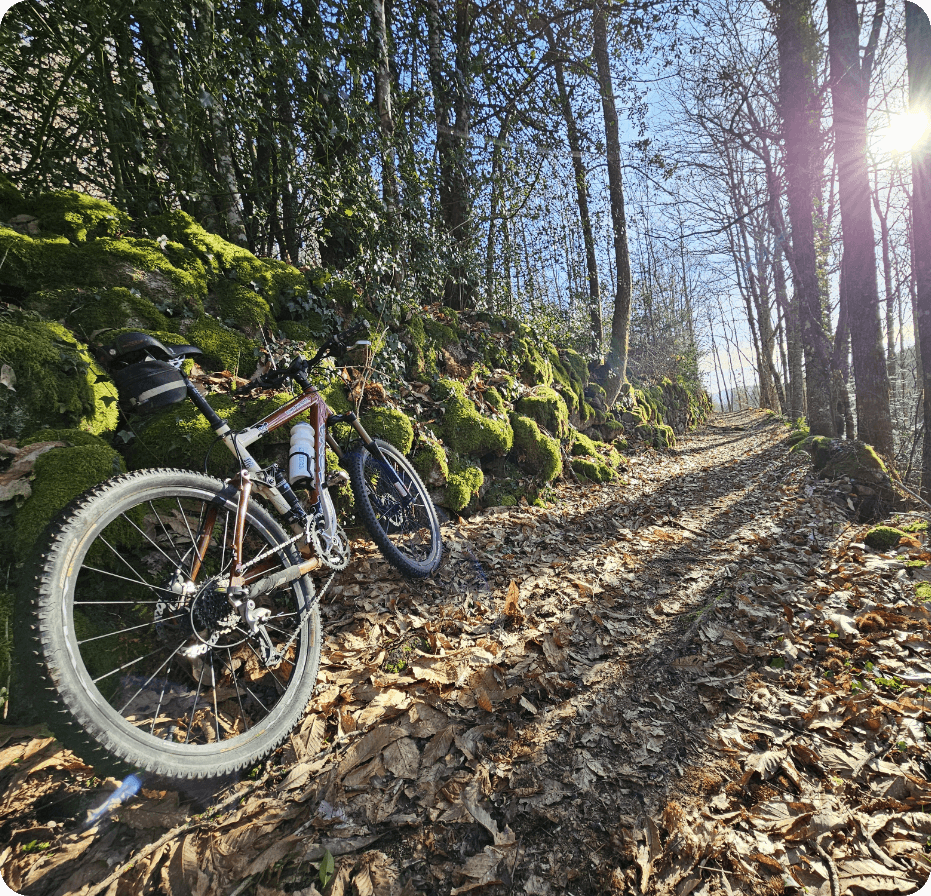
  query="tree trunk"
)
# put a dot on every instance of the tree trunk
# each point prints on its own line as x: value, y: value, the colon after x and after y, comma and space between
x: 581, y: 193
x: 383, y: 102
x: 800, y: 108
x: 849, y: 89
x: 452, y: 107
x: 184, y: 159
x: 620, y: 321
x: 918, y: 48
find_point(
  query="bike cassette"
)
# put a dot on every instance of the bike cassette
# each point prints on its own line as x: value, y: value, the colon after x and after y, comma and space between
x: 333, y: 550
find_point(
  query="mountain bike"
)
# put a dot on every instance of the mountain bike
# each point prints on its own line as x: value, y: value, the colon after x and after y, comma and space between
x: 173, y: 624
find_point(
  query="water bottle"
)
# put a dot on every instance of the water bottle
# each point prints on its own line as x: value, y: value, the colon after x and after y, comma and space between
x: 301, y: 455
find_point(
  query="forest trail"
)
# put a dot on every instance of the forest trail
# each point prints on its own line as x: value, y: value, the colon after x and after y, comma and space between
x: 697, y: 681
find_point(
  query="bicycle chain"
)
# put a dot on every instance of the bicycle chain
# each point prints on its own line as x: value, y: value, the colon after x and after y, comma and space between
x: 274, y: 662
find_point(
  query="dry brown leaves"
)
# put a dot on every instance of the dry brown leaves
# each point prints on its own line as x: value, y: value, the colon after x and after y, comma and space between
x: 585, y: 699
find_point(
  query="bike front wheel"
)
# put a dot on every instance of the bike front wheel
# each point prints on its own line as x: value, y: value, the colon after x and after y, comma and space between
x: 143, y: 661
x: 404, y: 526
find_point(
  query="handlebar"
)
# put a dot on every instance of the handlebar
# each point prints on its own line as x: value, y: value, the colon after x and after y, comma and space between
x: 336, y: 345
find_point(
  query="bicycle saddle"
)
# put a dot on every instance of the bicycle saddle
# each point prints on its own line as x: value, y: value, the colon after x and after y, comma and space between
x: 139, y: 346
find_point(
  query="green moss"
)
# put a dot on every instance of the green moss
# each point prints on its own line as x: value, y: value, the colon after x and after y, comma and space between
x: 58, y: 383
x: 467, y: 431
x: 536, y: 452
x: 493, y: 397
x: 430, y: 463
x: 664, y: 436
x: 71, y: 436
x: 923, y: 591
x: 916, y: 526
x: 462, y: 484
x: 547, y: 408
x: 881, y: 538
x: 52, y: 263
x: 391, y: 425
x: 797, y: 436
x: 217, y: 254
x: 535, y: 370
x: 77, y: 216
x: 582, y: 446
x: 440, y: 333
x: 915, y: 564
x: 223, y: 348
x: 59, y: 476
x: 88, y: 311
x: 292, y: 329
x: 592, y: 469
x: 334, y: 394
x: 344, y: 293
x: 238, y: 305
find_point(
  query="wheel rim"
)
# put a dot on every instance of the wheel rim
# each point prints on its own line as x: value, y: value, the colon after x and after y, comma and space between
x: 410, y: 528
x: 173, y: 665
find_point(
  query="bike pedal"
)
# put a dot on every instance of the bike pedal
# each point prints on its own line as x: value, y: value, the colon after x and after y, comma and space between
x: 337, y: 477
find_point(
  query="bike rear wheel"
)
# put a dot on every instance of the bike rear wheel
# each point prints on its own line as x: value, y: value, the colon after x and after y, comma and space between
x: 142, y: 661
x: 406, y: 531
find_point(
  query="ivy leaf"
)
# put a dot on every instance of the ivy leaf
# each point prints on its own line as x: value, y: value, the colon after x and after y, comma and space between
x: 327, y: 867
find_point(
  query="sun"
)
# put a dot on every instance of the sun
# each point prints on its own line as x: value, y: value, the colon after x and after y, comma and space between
x: 903, y: 131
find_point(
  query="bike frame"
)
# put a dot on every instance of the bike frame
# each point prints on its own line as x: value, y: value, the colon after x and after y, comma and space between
x: 276, y: 488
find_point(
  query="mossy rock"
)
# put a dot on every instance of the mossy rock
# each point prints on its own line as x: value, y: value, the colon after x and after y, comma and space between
x: 537, y: 453
x: 416, y: 364
x: 301, y: 332
x: 77, y: 216
x: 547, y: 408
x: 390, y: 425
x: 215, y: 253
x: 238, y: 305
x: 582, y: 446
x: 535, y: 370
x: 923, y: 591
x: 89, y: 311
x: 430, y: 462
x: 54, y: 262
x: 181, y: 437
x: 223, y: 347
x: 439, y: 333
x: 664, y: 436
x: 467, y: 431
x: 796, y: 437
x: 71, y: 436
x: 58, y: 476
x: 592, y: 469
x: 881, y: 538
x: 234, y: 271
x: 495, y: 399
x: 58, y: 383
x: 462, y: 484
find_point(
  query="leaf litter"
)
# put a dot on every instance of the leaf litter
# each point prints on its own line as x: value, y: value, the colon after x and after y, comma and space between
x: 699, y: 681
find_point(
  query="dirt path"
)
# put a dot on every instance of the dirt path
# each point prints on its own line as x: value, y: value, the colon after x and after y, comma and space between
x: 697, y: 682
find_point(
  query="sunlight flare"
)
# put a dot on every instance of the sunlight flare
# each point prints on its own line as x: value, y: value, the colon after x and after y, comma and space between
x: 903, y: 131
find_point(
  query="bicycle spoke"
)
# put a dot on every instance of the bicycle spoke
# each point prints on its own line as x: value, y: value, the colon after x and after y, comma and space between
x: 190, y: 723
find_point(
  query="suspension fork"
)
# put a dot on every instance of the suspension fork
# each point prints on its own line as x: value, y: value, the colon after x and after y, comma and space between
x: 376, y: 452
